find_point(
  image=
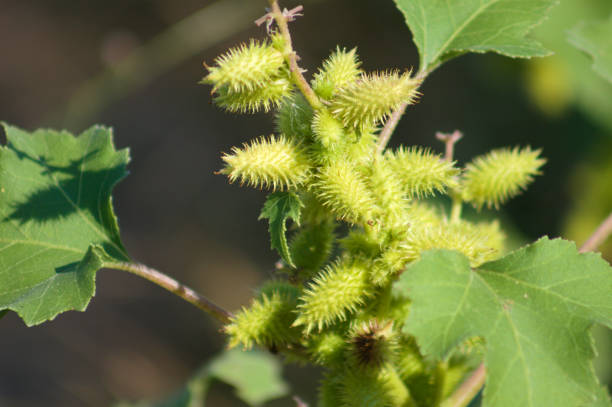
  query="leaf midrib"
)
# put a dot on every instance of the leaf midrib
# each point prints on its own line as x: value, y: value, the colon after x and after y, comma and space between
x: 459, y: 30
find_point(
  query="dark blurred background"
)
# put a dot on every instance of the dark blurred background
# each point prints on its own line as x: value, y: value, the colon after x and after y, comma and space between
x: 134, y: 65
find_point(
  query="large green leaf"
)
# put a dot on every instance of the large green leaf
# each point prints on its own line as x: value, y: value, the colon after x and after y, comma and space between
x: 57, y: 226
x: 255, y: 375
x: 534, y: 309
x: 595, y: 38
x: 279, y: 207
x: 443, y: 29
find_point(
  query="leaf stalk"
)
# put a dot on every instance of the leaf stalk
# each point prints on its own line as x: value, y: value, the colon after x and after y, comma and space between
x: 176, y: 288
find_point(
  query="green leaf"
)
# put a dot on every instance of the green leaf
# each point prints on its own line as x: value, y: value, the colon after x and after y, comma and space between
x: 255, y: 375
x: 57, y: 226
x: 444, y: 29
x: 595, y: 38
x: 534, y: 308
x: 566, y: 79
x: 279, y: 207
x: 3, y: 313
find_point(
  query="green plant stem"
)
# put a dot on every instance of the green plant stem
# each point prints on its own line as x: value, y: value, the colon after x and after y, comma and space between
x: 456, y: 208
x: 176, y: 288
x: 291, y: 57
x: 599, y: 236
x: 468, y: 390
x: 390, y: 125
x: 449, y: 141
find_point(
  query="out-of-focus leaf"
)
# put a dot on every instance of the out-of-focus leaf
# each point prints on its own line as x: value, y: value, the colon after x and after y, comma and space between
x: 595, y: 38
x: 255, y: 375
x: 572, y: 81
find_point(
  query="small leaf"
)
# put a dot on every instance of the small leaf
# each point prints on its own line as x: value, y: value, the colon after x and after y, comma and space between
x: 444, y: 29
x: 255, y: 375
x: 533, y: 307
x: 595, y: 38
x: 57, y: 226
x: 279, y: 207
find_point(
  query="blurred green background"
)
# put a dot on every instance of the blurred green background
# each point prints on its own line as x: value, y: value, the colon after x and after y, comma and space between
x: 134, y: 65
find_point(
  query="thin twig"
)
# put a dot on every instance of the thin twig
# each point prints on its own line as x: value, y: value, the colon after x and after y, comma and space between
x: 390, y: 125
x: 175, y: 287
x: 599, y: 236
x: 291, y: 56
x: 299, y: 402
x: 468, y: 390
x: 449, y: 140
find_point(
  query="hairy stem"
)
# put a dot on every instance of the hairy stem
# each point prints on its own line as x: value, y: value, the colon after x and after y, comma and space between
x: 599, y: 236
x: 291, y: 56
x: 468, y: 390
x: 175, y: 287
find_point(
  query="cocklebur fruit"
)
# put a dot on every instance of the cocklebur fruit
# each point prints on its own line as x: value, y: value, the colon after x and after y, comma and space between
x: 341, y: 68
x: 492, y: 179
x: 421, y: 172
x: 344, y: 191
x: 245, y: 68
x: 373, y: 97
x: 267, y: 321
x: 274, y: 162
x: 335, y: 293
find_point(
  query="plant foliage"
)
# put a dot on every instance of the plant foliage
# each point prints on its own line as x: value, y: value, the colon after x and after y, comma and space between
x: 57, y: 226
x: 398, y: 300
x: 533, y: 308
x: 445, y: 29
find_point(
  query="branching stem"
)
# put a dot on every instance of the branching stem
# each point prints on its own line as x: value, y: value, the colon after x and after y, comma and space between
x: 449, y: 140
x: 291, y: 56
x: 175, y: 287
